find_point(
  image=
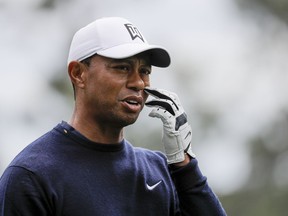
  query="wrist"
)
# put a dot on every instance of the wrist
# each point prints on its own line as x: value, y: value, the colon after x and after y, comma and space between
x: 183, y: 163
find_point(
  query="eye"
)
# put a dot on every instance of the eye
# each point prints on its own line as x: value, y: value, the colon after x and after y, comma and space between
x: 145, y: 71
x: 124, y: 68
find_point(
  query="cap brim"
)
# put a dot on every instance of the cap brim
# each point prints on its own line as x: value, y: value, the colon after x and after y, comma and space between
x: 158, y: 55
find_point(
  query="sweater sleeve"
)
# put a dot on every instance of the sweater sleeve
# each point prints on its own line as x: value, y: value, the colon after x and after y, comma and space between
x: 195, y: 196
x: 21, y: 194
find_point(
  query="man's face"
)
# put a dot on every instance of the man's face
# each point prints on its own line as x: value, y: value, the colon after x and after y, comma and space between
x: 113, y: 93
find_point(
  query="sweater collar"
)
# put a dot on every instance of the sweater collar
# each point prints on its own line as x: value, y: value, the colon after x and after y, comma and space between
x: 79, y: 138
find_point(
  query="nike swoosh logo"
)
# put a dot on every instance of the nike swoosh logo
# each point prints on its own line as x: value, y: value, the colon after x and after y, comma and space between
x: 189, y: 133
x: 152, y: 187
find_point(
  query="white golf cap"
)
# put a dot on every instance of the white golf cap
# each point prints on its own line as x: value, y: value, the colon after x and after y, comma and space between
x: 114, y: 37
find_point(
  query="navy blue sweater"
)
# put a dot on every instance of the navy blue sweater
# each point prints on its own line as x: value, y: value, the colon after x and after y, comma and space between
x: 64, y: 174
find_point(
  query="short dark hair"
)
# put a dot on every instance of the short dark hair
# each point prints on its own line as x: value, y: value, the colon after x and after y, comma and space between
x: 87, y: 61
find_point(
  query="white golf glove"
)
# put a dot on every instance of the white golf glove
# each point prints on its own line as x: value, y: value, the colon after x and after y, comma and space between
x: 177, y: 133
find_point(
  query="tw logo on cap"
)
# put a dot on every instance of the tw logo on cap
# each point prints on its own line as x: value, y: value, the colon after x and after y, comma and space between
x: 134, y: 32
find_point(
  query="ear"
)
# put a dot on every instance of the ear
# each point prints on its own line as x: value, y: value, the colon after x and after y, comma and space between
x: 76, y: 74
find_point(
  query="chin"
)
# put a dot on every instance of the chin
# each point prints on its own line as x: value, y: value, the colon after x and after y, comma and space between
x: 129, y: 120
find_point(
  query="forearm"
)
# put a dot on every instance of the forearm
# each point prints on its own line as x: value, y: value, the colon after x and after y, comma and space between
x: 195, y: 195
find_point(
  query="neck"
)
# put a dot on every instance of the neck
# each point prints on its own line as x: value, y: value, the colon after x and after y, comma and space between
x: 96, y: 132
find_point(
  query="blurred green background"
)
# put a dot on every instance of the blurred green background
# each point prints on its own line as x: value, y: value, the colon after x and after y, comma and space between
x: 229, y: 68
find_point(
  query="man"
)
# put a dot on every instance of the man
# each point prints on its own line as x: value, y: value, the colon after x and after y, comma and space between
x: 86, y: 167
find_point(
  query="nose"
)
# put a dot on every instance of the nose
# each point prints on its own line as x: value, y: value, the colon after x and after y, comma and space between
x: 136, y: 81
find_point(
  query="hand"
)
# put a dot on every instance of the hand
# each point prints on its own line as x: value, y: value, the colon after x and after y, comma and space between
x: 177, y: 133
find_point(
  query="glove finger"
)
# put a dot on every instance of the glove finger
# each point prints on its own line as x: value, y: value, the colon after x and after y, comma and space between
x: 161, y: 104
x: 161, y: 114
x: 162, y: 94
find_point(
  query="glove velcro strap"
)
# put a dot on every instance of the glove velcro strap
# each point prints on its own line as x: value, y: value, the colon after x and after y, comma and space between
x: 175, y: 158
x: 177, y: 144
x: 175, y: 152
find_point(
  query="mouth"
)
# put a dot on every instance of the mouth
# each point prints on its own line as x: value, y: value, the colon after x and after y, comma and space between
x: 133, y: 103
